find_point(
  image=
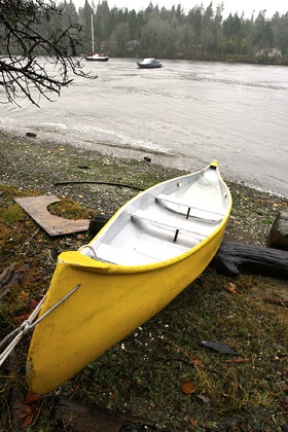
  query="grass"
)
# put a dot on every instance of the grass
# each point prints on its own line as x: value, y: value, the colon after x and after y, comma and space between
x: 161, y: 372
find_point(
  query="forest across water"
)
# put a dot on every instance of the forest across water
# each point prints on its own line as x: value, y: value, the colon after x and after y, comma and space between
x: 199, y: 34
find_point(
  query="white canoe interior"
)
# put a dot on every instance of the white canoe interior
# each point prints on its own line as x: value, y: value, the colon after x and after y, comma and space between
x: 165, y: 221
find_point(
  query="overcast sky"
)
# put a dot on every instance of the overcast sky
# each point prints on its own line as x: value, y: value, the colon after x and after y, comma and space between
x: 232, y: 6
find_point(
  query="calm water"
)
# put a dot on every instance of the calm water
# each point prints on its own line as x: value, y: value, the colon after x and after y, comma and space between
x: 185, y: 115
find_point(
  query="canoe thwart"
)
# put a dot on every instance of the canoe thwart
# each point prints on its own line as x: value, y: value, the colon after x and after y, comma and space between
x: 183, y: 225
x: 211, y: 216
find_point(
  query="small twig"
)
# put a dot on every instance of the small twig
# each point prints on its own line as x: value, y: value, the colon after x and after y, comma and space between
x: 29, y: 239
x: 10, y: 277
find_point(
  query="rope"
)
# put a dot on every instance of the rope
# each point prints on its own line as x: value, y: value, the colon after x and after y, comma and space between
x: 28, y: 325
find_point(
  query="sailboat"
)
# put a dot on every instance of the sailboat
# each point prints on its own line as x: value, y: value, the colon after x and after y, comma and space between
x: 95, y: 56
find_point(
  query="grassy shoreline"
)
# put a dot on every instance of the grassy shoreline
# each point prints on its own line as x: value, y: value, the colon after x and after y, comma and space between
x: 148, y: 373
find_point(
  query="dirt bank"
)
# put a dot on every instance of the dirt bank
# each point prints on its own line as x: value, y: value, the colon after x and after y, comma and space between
x: 29, y: 163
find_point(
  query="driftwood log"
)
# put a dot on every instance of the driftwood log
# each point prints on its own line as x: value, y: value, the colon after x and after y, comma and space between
x: 234, y: 258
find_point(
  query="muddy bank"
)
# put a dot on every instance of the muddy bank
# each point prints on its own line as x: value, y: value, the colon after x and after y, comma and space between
x: 30, y: 163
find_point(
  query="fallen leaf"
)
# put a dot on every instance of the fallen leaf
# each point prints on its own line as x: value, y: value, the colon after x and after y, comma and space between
x: 26, y: 413
x: 220, y: 347
x: 32, y: 397
x: 277, y: 204
x: 188, y: 387
x: 22, y: 411
x: 80, y: 237
x: 197, y: 361
x: 231, y: 287
x: 33, y: 303
x: 29, y: 419
x: 19, y: 320
x: 279, y: 302
x: 193, y: 423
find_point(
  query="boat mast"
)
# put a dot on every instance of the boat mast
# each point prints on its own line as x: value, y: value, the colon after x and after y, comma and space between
x: 92, y: 33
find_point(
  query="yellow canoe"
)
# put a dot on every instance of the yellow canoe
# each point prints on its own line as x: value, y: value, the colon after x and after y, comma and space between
x: 148, y: 252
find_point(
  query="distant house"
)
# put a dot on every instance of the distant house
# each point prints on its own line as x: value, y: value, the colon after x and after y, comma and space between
x: 269, y: 52
x: 132, y: 44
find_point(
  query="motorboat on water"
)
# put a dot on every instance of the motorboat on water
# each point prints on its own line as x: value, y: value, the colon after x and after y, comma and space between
x: 97, y: 57
x: 149, y: 63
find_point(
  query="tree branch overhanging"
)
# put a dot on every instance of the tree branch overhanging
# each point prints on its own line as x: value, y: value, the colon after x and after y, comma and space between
x: 27, y: 54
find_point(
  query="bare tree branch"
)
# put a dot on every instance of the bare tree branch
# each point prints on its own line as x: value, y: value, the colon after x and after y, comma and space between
x: 34, y: 64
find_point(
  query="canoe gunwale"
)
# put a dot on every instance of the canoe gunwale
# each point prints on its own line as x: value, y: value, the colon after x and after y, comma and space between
x: 76, y: 258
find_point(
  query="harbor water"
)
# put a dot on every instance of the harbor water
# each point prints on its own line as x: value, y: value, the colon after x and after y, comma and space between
x: 183, y: 115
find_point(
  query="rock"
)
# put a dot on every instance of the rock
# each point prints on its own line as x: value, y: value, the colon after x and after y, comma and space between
x: 31, y: 135
x: 147, y: 159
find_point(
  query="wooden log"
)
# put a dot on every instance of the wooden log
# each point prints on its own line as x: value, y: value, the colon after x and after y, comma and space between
x: 278, y: 236
x: 98, y: 222
x: 234, y: 258
x: 93, y: 418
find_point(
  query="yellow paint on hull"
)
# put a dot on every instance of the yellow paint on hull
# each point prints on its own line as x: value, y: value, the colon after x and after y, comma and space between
x: 112, y: 301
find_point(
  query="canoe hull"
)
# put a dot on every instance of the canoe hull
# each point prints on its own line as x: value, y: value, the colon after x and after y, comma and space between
x: 112, y: 301
x: 133, y: 299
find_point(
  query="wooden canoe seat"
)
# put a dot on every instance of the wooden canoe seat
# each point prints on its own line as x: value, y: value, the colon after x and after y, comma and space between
x: 206, y: 215
x: 169, y: 222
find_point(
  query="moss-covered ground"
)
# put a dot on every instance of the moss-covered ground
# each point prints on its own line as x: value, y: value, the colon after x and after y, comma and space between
x: 162, y: 372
